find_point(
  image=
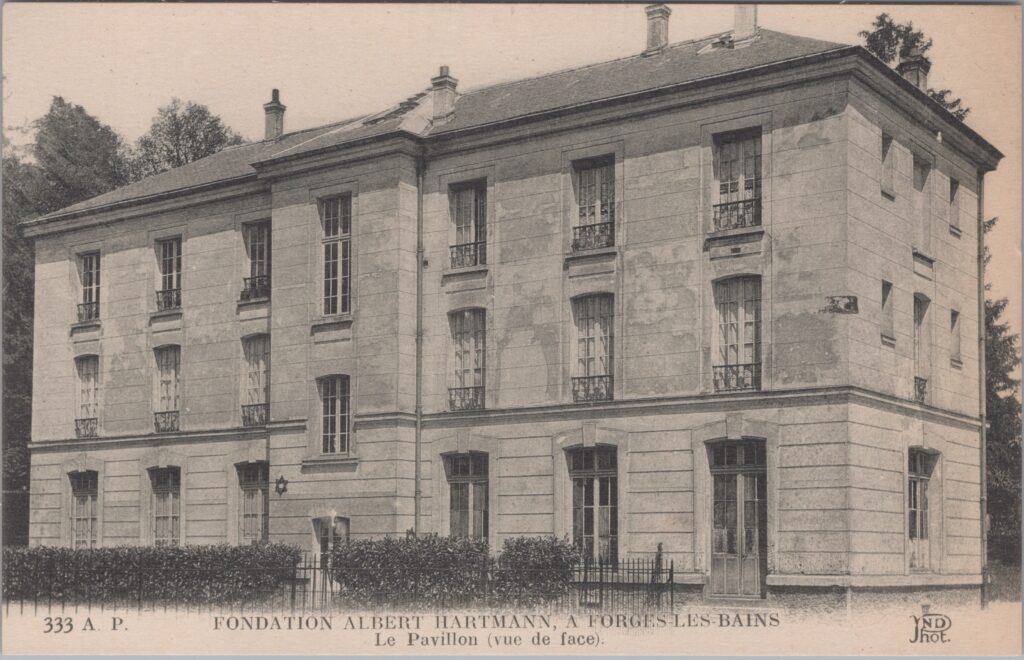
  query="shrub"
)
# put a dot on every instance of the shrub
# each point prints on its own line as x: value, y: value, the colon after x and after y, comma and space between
x: 533, y: 570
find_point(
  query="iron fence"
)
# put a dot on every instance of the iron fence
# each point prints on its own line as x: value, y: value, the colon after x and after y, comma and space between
x: 85, y: 427
x: 168, y: 299
x: 89, y: 311
x: 166, y: 422
x: 738, y: 214
x: 255, y: 288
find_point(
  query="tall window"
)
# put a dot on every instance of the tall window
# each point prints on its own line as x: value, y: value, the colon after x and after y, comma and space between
x: 922, y: 347
x: 330, y: 532
x: 169, y: 257
x: 595, y: 503
x: 467, y: 487
x: 918, y: 476
x: 888, y: 329
x: 256, y: 387
x: 254, y: 502
x: 469, y: 214
x: 922, y: 203
x: 738, y: 164
x: 954, y: 336
x: 468, y: 329
x: 594, y: 317
x: 87, y: 406
x: 887, y: 177
x: 954, y: 203
x: 167, y: 397
x: 738, y: 356
x: 335, y: 420
x: 166, y: 505
x: 595, y: 204
x: 84, y: 494
x: 257, y: 246
x: 336, y: 217
x: 89, y: 265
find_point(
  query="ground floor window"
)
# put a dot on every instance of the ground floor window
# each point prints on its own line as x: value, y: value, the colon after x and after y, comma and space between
x: 739, y: 538
x: 254, y: 486
x: 919, y: 474
x: 468, y: 508
x: 329, y: 532
x: 166, y: 505
x: 84, y: 495
x: 595, y: 503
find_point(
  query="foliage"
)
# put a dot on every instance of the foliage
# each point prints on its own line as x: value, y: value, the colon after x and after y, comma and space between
x: 890, y: 42
x: 532, y: 570
x: 192, y: 574
x: 181, y: 132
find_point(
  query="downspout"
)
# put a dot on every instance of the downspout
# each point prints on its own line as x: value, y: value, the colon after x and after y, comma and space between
x: 418, y: 491
x: 982, y: 390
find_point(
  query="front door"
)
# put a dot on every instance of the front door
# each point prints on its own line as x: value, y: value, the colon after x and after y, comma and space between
x: 739, y: 519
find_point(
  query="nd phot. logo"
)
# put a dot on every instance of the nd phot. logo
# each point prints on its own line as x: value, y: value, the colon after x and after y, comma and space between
x: 930, y: 627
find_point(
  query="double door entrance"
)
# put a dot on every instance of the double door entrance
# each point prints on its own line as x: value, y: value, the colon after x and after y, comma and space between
x: 739, y: 543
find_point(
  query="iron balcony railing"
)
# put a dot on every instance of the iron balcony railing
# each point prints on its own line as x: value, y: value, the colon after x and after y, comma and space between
x: 733, y: 377
x: 466, y: 398
x: 254, y: 415
x: 256, y: 288
x: 592, y: 388
x: 166, y: 422
x: 85, y: 427
x: 89, y: 311
x: 736, y: 215
x: 469, y: 254
x: 920, y: 389
x: 168, y: 299
x: 590, y: 237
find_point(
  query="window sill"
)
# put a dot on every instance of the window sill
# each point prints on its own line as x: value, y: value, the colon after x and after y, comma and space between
x: 955, y: 231
x: 888, y: 341
x: 451, y: 272
x: 165, y: 313
x: 740, y: 231
x: 330, y: 321
x: 85, y: 325
x: 317, y: 460
x: 956, y: 363
x: 592, y: 252
x: 253, y: 302
x: 922, y: 256
x: 889, y: 195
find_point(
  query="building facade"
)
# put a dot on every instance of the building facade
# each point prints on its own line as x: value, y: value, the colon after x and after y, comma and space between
x: 720, y: 298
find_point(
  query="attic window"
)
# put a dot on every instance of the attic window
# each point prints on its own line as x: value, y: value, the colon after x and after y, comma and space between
x: 725, y: 41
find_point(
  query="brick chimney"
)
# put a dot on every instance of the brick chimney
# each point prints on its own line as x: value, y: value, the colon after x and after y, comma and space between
x: 443, y: 86
x: 744, y: 22
x: 914, y: 68
x: 275, y: 117
x: 657, y: 28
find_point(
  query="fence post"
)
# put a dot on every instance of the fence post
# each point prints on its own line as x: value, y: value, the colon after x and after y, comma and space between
x: 672, y: 583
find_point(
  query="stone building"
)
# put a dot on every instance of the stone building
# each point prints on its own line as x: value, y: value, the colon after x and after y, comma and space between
x: 721, y: 296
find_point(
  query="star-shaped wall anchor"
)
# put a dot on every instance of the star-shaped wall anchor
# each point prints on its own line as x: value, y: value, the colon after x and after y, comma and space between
x: 281, y: 486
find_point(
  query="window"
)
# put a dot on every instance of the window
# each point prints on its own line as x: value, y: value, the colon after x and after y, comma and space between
x: 254, y: 486
x: 256, y: 386
x: 467, y: 501
x: 888, y: 331
x: 168, y: 296
x: 167, y: 397
x: 257, y: 246
x: 468, y: 329
x: 84, y: 494
x: 954, y: 337
x: 87, y: 406
x: 595, y: 204
x: 334, y: 427
x: 330, y: 533
x: 738, y: 172
x: 954, y: 203
x: 922, y: 204
x: 740, y: 512
x: 922, y: 347
x: 921, y: 171
x: 738, y: 358
x: 595, y: 503
x: 336, y: 217
x: 469, y: 214
x: 89, y: 265
x: 888, y: 169
x: 918, y: 476
x: 594, y: 316
x: 166, y: 505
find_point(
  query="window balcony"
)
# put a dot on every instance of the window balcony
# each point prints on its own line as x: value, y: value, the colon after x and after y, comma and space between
x: 592, y: 388
x: 168, y: 299
x: 737, y: 377
x: 255, y: 414
x: 469, y: 254
x: 89, y: 311
x: 255, y: 288
x: 86, y: 427
x: 466, y: 398
x: 592, y: 237
x: 920, y: 389
x: 166, y: 422
x: 738, y: 215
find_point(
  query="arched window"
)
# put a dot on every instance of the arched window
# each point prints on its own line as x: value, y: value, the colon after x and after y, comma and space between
x: 469, y: 337
x: 919, y: 472
x: 595, y: 502
x: 922, y: 346
x: 594, y: 317
x: 468, y: 494
x: 737, y: 364
x: 256, y: 383
x: 167, y: 397
x: 87, y: 405
x: 335, y: 417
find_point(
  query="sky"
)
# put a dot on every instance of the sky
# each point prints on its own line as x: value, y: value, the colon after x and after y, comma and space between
x: 122, y: 61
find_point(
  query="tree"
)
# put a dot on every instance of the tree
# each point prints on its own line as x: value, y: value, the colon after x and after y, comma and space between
x: 890, y: 42
x: 181, y: 133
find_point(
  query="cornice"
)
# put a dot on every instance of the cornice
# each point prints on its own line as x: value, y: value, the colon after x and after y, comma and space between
x: 150, y: 439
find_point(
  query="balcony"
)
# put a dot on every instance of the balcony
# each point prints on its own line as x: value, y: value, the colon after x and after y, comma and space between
x: 168, y: 299
x: 86, y: 427
x: 920, y: 389
x: 255, y: 414
x: 592, y: 237
x: 469, y: 254
x: 466, y: 398
x: 166, y: 422
x: 89, y: 311
x: 737, y: 377
x: 738, y: 215
x: 255, y: 288
x: 592, y: 388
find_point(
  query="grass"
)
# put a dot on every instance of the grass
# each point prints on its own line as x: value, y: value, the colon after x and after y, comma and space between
x: 1004, y: 581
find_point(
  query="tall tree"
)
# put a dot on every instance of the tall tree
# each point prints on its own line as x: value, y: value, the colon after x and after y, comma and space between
x: 890, y: 41
x: 181, y: 133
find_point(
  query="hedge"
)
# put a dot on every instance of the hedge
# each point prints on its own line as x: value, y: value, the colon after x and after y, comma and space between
x: 194, y: 574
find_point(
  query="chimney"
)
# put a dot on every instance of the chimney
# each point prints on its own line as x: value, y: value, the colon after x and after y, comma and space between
x: 443, y: 86
x: 275, y: 117
x: 657, y: 28
x: 914, y: 68
x: 745, y: 22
